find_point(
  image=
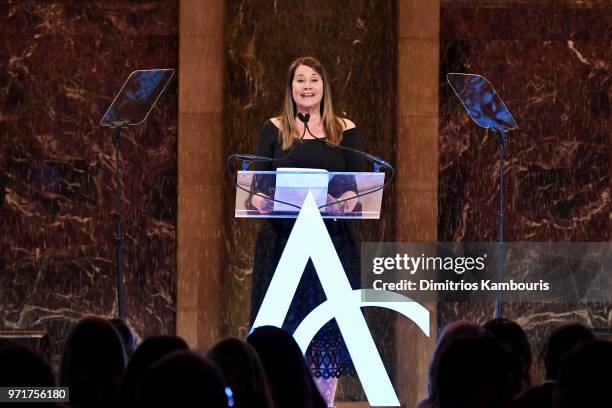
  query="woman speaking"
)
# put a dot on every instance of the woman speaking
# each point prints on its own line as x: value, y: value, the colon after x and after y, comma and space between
x: 308, y: 95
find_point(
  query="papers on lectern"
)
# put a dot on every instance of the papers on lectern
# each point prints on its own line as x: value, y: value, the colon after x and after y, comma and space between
x: 293, y: 184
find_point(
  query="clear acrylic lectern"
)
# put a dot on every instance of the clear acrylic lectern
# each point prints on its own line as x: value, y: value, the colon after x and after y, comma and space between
x: 286, y: 191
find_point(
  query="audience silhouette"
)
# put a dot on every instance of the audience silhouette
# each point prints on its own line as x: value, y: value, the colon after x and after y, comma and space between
x: 451, y: 332
x: 561, y: 340
x: 183, y: 379
x: 92, y: 364
x: 288, y: 375
x: 128, y: 338
x: 21, y: 366
x: 585, y: 376
x: 474, y: 373
x: 513, y: 338
x: 243, y: 372
x: 473, y: 366
x: 150, y: 351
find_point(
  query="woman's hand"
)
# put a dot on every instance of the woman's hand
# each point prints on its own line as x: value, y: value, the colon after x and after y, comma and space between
x: 342, y: 207
x: 351, y: 202
x: 263, y: 203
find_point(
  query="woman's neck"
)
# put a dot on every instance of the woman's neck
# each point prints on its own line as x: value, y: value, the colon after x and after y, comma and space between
x: 314, y: 112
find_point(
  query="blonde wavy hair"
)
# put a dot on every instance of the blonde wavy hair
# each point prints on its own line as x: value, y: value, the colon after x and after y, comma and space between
x: 332, y: 124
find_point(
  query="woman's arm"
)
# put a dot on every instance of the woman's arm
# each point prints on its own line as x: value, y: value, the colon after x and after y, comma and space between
x: 346, y: 186
x: 351, y: 139
x: 261, y: 185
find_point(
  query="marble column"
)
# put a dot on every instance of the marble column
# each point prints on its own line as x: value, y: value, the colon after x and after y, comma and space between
x: 416, y: 185
x: 200, y: 163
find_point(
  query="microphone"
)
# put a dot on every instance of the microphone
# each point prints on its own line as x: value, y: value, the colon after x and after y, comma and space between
x: 304, y: 117
x: 379, y: 161
x: 249, y: 157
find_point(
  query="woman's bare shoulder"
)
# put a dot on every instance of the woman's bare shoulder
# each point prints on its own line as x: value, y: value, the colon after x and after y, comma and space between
x: 347, y: 124
x: 276, y: 121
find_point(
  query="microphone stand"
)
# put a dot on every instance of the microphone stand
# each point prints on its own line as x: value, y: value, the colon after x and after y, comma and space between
x: 377, y: 161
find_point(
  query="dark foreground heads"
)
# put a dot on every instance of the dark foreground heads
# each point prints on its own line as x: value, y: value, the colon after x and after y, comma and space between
x: 288, y: 375
x: 183, y: 379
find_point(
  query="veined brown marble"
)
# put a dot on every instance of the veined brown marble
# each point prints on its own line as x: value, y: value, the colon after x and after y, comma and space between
x: 61, y: 64
x: 552, y: 65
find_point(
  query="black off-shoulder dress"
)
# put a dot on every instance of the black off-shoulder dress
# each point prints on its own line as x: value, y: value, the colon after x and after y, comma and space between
x: 327, y: 354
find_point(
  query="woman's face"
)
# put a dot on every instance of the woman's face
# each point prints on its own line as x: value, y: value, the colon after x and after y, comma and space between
x: 307, y: 88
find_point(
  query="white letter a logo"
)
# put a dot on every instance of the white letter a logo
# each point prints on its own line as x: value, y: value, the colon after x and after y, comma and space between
x: 309, y: 239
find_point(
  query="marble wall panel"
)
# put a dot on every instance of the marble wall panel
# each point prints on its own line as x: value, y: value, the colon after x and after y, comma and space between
x: 356, y: 41
x: 551, y: 63
x: 60, y: 65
